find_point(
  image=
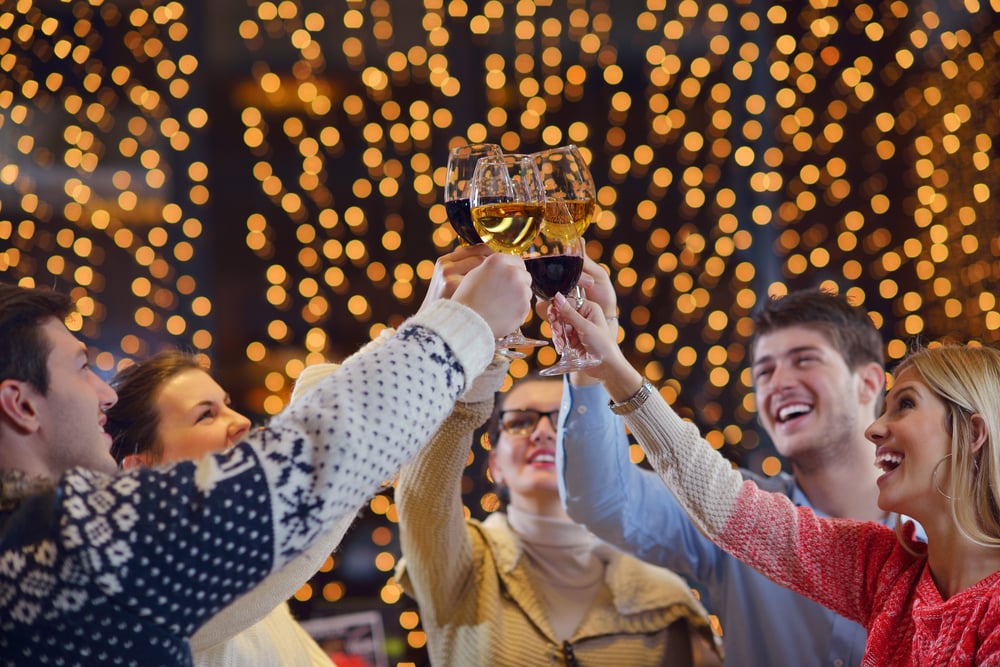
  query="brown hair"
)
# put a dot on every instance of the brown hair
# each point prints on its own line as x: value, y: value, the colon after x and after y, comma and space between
x: 134, y: 420
x: 848, y: 327
x: 24, y: 349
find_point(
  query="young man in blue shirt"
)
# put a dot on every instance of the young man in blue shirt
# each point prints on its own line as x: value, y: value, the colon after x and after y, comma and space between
x: 818, y: 381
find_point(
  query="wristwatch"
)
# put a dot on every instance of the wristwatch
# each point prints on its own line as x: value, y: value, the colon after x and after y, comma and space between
x: 634, y: 403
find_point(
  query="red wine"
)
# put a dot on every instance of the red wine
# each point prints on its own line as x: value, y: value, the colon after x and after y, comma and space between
x: 553, y: 274
x: 460, y: 217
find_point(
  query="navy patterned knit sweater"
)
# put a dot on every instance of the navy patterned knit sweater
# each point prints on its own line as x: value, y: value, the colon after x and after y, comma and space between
x: 122, y: 569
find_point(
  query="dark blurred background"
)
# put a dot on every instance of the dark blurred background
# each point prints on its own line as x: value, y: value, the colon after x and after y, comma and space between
x: 260, y: 182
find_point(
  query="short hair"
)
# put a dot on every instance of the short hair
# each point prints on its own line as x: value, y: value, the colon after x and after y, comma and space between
x: 134, y: 420
x: 847, y: 327
x: 24, y: 349
x: 967, y: 379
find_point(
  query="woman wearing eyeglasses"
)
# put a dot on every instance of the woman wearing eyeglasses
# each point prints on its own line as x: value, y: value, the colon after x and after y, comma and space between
x: 528, y: 586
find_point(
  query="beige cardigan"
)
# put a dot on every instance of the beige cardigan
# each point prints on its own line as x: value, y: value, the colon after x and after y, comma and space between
x: 477, y: 603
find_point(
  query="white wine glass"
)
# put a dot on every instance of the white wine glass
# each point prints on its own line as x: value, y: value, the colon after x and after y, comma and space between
x: 555, y: 262
x: 458, y: 177
x: 507, y: 204
x: 565, y: 174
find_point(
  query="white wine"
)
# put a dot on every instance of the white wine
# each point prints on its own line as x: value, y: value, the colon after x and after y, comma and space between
x: 510, y: 227
x: 579, y: 212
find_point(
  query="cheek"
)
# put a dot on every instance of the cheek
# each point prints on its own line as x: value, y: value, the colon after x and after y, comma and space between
x: 193, y: 443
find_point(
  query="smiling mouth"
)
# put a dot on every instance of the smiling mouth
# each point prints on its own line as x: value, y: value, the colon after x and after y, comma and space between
x: 787, y: 413
x: 543, y: 458
x: 888, y: 461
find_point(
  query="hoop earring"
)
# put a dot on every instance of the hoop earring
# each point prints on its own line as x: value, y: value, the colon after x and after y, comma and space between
x: 934, y: 476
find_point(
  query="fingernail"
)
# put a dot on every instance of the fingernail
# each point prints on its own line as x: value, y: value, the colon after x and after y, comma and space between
x: 559, y: 299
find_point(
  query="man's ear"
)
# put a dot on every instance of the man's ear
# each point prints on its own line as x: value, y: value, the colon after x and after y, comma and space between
x: 17, y: 404
x: 872, y: 382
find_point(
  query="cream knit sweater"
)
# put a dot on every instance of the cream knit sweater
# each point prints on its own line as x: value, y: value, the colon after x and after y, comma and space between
x: 475, y: 585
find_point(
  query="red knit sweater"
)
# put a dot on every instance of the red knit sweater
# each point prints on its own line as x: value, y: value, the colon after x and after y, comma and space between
x: 862, y: 571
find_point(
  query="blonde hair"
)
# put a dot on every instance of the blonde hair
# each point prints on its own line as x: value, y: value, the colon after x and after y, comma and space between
x: 967, y: 379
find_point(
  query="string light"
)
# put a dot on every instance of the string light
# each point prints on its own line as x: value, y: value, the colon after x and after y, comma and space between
x: 741, y: 150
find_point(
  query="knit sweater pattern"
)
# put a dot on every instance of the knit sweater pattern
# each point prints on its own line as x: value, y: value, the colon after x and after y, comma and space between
x: 860, y: 570
x: 474, y: 584
x: 122, y: 569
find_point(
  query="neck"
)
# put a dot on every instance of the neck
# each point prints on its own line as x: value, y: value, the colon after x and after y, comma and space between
x: 543, y: 504
x: 842, y: 487
x: 956, y: 563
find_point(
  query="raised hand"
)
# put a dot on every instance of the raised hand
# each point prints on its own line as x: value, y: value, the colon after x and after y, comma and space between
x: 589, y: 332
x: 600, y: 290
x: 499, y: 289
x: 451, y: 268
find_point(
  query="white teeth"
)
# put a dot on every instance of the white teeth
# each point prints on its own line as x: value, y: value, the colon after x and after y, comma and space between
x: 888, y: 460
x: 793, y: 410
x: 544, y: 458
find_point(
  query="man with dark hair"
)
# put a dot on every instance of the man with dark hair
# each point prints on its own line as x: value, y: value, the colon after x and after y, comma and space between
x: 102, y: 567
x: 818, y: 380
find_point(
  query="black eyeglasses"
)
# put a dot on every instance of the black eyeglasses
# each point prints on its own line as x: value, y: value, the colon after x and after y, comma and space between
x: 524, y: 422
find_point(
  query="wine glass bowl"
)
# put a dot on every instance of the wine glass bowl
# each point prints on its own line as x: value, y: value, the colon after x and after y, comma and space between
x: 555, y: 262
x: 462, y: 162
x: 565, y: 173
x: 508, y: 204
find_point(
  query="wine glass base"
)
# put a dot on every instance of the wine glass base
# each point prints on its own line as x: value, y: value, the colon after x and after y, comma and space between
x: 569, y: 366
x: 518, y: 340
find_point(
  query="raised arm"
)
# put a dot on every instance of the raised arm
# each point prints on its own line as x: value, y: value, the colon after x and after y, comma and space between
x: 169, y: 547
x: 620, y: 502
x: 438, y: 567
x: 835, y: 562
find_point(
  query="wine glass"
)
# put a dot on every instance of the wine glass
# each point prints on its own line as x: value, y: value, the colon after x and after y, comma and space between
x: 565, y: 173
x: 461, y: 164
x: 555, y: 262
x: 507, y: 204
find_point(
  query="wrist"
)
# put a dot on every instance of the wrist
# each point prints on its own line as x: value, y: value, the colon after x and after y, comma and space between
x: 635, y: 401
x: 622, y: 382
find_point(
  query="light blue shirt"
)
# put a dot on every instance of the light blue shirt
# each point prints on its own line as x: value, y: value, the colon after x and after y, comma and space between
x: 764, y: 624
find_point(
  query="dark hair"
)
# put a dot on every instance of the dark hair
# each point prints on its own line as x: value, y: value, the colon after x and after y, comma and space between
x: 493, y: 429
x: 24, y: 349
x: 134, y: 419
x: 848, y: 328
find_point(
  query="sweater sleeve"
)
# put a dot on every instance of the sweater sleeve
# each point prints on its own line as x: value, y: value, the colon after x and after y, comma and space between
x: 438, y: 566
x: 704, y: 482
x: 836, y: 562
x: 169, y: 547
x: 261, y: 602
x: 616, y: 499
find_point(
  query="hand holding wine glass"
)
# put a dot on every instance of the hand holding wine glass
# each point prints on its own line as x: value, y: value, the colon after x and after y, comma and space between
x: 507, y: 205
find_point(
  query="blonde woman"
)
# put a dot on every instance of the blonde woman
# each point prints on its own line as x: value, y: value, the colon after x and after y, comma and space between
x: 923, y: 604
